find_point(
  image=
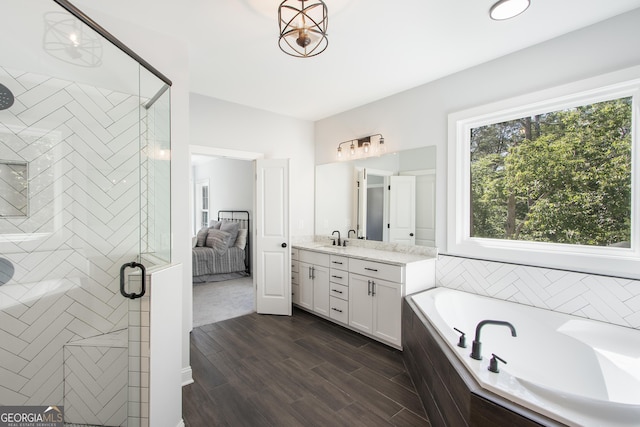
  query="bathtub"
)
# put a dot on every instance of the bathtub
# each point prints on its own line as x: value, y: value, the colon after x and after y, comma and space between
x: 576, y: 371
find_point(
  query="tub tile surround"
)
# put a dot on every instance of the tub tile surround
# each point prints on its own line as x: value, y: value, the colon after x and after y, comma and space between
x: 607, y: 299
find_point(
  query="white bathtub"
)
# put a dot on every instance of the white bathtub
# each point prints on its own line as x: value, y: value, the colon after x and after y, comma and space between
x: 577, y: 371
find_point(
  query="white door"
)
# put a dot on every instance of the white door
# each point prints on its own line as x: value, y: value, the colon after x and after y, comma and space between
x: 273, y: 252
x: 426, y: 210
x: 361, y: 228
x: 402, y: 210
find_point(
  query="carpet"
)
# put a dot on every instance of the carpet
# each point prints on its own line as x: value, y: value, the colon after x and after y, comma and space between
x: 216, y: 301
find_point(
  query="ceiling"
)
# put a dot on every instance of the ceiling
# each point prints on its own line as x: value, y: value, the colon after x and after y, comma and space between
x: 376, y: 47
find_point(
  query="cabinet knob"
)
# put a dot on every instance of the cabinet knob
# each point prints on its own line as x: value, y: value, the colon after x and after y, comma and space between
x: 284, y: 245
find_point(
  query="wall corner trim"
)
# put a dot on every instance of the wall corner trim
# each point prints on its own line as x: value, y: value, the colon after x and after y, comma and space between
x: 187, y: 376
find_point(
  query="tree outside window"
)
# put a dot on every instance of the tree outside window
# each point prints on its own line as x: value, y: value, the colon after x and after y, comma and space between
x: 558, y: 177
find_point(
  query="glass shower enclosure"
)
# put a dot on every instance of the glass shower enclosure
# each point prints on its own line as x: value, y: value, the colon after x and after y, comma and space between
x: 85, y: 161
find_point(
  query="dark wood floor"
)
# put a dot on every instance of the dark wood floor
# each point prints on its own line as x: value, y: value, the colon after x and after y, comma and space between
x: 259, y: 370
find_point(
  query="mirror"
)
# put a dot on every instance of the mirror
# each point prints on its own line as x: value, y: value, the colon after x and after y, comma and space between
x: 373, y: 211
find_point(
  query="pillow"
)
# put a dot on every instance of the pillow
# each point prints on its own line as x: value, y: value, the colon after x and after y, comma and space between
x: 215, y: 224
x: 194, y: 241
x: 241, y: 240
x: 218, y: 240
x: 231, y: 228
x: 202, y: 236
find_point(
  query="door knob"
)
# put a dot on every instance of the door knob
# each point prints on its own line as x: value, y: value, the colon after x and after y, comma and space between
x: 284, y: 245
x: 411, y: 234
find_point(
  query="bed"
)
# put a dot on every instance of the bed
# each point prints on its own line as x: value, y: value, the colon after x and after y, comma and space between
x: 222, y: 250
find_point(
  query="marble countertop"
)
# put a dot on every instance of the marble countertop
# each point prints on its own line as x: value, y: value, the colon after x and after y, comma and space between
x: 367, y: 254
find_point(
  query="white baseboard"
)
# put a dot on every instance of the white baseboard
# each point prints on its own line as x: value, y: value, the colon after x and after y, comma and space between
x: 187, y: 376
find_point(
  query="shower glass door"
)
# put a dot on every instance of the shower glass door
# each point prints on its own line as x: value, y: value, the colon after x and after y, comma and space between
x: 84, y: 201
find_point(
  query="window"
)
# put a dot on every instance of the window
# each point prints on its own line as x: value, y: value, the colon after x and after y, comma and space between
x: 205, y: 206
x: 201, y: 204
x: 560, y: 177
x: 548, y: 180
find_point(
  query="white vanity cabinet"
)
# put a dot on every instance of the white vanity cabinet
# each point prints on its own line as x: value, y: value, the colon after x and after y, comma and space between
x: 313, y: 277
x: 375, y: 304
x: 295, y: 274
x: 361, y: 288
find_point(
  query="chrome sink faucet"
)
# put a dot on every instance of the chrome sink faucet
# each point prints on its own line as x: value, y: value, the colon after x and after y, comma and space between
x: 339, y: 241
x: 476, y: 352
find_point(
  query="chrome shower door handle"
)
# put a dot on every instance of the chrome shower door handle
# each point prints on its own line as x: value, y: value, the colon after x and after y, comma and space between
x: 144, y: 280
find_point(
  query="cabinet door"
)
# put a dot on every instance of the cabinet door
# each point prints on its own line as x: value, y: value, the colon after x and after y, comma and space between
x: 306, y: 286
x: 295, y: 293
x: 387, y: 311
x: 360, y: 303
x: 321, y: 290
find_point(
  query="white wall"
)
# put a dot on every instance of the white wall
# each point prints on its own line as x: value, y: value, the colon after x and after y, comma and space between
x: 418, y: 117
x: 230, y: 184
x: 220, y: 124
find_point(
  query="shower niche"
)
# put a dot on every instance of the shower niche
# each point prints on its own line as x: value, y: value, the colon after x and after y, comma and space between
x: 14, y: 189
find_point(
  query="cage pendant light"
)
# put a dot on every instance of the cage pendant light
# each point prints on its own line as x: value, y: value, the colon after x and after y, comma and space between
x: 303, y: 27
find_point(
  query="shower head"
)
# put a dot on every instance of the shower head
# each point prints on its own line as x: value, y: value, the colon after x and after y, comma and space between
x: 6, y: 97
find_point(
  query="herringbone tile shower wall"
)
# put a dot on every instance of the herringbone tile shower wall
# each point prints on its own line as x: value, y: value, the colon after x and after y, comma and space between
x: 81, y: 144
x: 608, y: 299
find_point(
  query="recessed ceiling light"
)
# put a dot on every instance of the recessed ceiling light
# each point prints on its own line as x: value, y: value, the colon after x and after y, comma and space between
x: 506, y: 9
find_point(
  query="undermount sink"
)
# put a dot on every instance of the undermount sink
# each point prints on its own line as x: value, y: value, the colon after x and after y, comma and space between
x: 330, y: 246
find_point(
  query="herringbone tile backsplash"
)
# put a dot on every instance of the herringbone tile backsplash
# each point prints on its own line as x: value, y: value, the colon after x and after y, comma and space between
x: 607, y: 299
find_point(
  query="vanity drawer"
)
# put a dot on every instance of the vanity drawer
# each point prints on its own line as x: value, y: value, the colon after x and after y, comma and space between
x: 315, y: 258
x: 392, y: 273
x: 294, y: 266
x: 339, y: 291
x: 294, y: 253
x: 339, y: 276
x: 339, y: 310
x: 339, y: 262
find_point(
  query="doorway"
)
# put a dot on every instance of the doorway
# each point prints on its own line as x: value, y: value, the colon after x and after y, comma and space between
x: 221, y: 182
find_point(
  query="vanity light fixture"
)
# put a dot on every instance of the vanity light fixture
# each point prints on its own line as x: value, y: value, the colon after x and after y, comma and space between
x: 507, y: 9
x: 363, y: 147
x: 303, y: 27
